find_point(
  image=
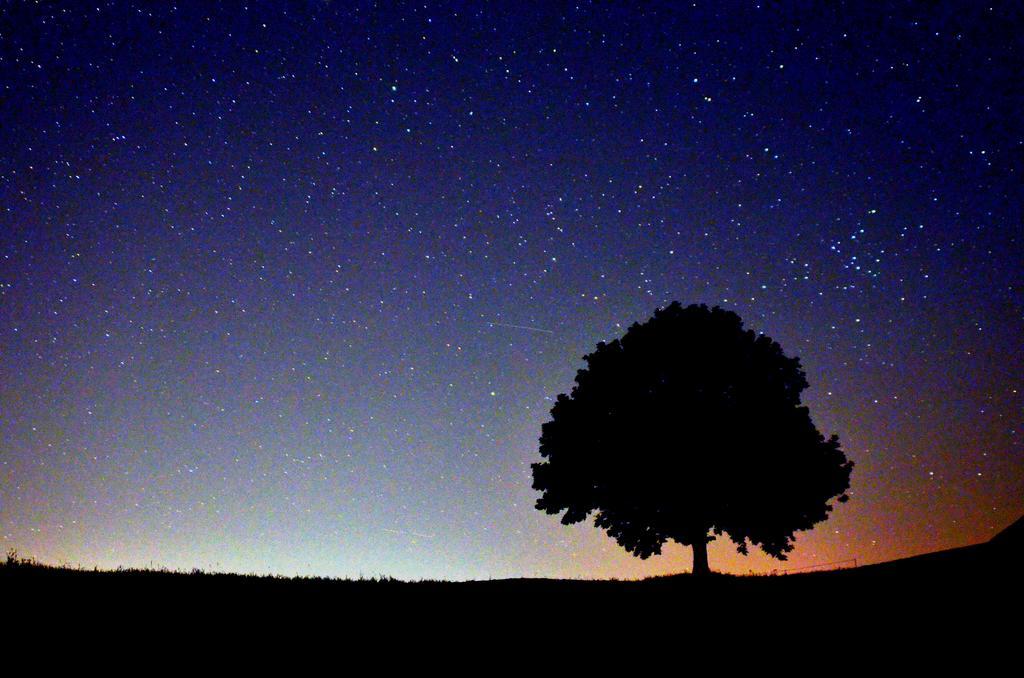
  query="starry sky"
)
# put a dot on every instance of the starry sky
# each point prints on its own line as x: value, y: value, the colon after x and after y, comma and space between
x: 290, y: 287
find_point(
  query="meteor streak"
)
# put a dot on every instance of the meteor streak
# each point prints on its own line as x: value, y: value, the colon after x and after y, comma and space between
x: 521, y: 327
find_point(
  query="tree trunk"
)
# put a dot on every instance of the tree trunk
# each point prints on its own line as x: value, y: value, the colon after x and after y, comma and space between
x: 700, y: 557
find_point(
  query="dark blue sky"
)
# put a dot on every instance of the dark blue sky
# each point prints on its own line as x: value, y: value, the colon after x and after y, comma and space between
x: 291, y: 286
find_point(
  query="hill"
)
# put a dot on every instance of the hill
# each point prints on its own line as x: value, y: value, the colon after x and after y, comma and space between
x: 970, y: 580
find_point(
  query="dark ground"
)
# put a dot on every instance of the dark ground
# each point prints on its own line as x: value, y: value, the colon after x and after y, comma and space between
x: 970, y: 582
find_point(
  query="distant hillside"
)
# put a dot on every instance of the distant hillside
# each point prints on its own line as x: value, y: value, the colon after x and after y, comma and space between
x: 1012, y: 538
x: 994, y: 564
x: 997, y: 557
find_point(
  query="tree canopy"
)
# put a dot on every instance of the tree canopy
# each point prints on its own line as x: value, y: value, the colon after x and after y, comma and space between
x: 688, y: 427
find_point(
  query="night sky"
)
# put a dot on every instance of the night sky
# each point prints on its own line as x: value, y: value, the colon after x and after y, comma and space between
x: 291, y: 287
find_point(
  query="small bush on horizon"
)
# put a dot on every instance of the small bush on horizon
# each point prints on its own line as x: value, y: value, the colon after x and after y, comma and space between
x: 14, y: 560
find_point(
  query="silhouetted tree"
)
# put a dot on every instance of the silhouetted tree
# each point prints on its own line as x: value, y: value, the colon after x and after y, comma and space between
x: 686, y: 428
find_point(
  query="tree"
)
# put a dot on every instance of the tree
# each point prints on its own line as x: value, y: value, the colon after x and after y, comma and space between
x: 686, y: 428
